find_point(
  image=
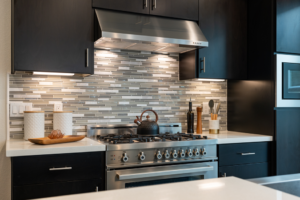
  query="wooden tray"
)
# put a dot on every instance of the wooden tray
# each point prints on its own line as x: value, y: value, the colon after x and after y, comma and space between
x: 67, y: 138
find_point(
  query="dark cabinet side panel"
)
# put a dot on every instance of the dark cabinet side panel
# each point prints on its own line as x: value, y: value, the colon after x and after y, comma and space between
x: 224, y: 24
x: 256, y: 170
x: 287, y: 141
x: 136, y: 6
x: 53, y: 36
x: 251, y: 106
x: 187, y: 9
x: 55, y: 189
x: 288, y: 26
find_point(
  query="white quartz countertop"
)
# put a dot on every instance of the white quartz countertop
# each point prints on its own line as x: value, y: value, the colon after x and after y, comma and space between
x: 20, y: 147
x: 230, y: 137
x: 229, y: 188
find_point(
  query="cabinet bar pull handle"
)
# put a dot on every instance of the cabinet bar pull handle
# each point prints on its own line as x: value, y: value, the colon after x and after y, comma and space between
x: 145, y: 3
x: 247, y: 154
x: 87, y: 57
x: 204, y: 64
x: 154, y: 4
x: 60, y: 168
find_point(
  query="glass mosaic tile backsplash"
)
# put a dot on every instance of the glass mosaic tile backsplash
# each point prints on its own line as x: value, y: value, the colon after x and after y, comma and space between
x: 124, y: 84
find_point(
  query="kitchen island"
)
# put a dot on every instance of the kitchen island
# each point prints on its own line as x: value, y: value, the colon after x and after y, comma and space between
x: 229, y: 188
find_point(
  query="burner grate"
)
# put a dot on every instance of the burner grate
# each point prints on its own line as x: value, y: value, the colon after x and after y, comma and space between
x: 131, y: 138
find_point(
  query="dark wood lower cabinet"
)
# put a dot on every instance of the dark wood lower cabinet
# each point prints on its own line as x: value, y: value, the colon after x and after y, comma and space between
x: 55, y: 189
x: 58, y: 174
x: 248, y: 171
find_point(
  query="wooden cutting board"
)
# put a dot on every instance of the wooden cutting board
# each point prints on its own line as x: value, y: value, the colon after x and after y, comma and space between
x: 46, y: 140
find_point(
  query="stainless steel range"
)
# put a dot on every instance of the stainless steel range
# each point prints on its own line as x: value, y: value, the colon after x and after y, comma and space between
x: 133, y: 160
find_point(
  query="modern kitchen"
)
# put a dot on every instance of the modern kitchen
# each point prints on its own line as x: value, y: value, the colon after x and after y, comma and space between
x: 151, y: 99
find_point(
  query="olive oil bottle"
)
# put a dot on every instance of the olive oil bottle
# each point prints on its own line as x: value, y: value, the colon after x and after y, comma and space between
x: 190, y: 118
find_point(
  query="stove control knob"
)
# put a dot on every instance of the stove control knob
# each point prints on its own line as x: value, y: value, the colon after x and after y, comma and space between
x: 125, y: 157
x: 196, y: 152
x: 142, y: 156
x: 158, y: 155
x: 203, y: 152
x: 174, y: 154
x: 166, y: 154
x: 182, y: 154
x: 189, y: 153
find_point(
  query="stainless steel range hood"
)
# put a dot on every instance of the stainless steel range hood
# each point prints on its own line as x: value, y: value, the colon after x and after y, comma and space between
x: 117, y: 30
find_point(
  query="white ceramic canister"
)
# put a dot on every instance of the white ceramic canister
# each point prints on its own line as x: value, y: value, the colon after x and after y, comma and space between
x: 214, y: 126
x: 34, y: 124
x: 63, y: 120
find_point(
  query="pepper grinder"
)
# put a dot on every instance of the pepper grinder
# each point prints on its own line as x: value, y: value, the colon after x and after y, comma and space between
x: 190, y: 119
x: 199, y: 120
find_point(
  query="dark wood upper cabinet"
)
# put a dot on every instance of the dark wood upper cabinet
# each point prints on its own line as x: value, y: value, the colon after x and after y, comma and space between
x: 53, y: 36
x: 224, y: 24
x: 187, y: 9
x: 136, y: 6
x: 288, y: 26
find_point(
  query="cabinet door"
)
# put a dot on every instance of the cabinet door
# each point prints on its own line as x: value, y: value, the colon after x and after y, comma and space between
x: 53, y: 36
x: 187, y: 9
x: 136, y: 6
x: 288, y: 26
x: 56, y: 189
x: 245, y: 171
x: 287, y: 141
x: 224, y: 24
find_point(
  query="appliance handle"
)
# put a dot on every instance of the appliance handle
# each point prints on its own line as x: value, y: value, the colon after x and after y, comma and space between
x: 87, y: 57
x: 247, y: 154
x: 122, y: 177
x: 60, y: 168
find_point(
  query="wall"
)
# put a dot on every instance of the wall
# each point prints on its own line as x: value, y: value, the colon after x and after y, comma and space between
x: 5, y: 46
x: 125, y: 83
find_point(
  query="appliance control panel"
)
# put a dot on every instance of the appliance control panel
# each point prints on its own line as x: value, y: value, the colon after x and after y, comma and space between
x: 160, y: 154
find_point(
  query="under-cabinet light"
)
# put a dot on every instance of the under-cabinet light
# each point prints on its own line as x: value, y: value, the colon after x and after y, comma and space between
x: 207, y: 79
x: 53, y: 73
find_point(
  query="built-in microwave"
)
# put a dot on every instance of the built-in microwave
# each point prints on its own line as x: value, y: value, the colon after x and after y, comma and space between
x: 287, y: 80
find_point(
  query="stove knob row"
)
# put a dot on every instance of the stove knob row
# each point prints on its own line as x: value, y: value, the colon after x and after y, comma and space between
x: 158, y: 155
x: 196, y: 152
x: 174, y: 154
x: 125, y: 157
x: 182, y: 154
x: 142, y: 156
x: 189, y: 153
x: 166, y: 154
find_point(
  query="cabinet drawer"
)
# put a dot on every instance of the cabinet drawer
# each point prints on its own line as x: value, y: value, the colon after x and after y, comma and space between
x: 245, y: 171
x: 243, y: 153
x: 55, y: 189
x: 58, y: 167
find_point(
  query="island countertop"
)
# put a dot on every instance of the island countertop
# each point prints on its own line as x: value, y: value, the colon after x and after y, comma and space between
x: 229, y: 188
x: 20, y: 147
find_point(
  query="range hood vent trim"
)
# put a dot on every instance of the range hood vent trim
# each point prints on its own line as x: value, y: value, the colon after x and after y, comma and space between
x: 117, y: 30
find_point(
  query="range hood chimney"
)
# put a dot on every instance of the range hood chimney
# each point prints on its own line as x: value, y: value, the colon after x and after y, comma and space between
x: 117, y: 30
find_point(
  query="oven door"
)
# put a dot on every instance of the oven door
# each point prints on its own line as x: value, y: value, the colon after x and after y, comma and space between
x: 127, y: 178
x: 287, y: 81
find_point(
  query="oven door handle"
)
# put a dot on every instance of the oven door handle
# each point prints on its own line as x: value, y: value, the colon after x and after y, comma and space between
x: 123, y: 177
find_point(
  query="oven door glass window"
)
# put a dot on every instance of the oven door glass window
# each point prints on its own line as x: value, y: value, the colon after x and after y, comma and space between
x: 162, y: 181
x: 291, y: 81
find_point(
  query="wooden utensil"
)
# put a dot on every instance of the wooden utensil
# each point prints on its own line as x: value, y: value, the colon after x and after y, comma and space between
x: 211, y: 105
x: 46, y: 140
x: 199, y: 120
